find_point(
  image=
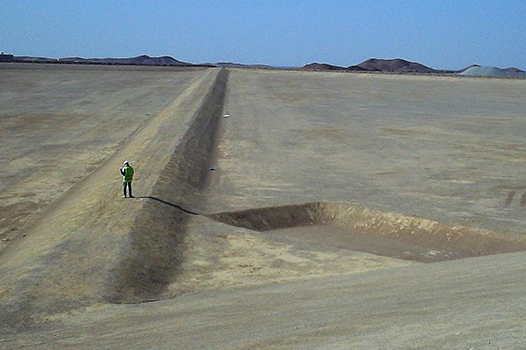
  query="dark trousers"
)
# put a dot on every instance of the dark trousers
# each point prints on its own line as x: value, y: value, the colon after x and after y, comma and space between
x: 124, y: 185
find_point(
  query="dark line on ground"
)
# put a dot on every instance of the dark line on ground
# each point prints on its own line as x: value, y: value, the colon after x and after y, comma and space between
x: 170, y: 204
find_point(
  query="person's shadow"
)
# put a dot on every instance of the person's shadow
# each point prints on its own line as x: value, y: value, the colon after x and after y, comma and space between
x: 170, y: 204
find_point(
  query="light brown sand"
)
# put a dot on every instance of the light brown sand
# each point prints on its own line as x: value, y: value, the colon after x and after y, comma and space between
x: 387, y: 154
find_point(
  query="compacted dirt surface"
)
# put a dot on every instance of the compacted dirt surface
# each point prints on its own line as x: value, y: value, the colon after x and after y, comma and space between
x: 272, y: 209
x: 58, y: 124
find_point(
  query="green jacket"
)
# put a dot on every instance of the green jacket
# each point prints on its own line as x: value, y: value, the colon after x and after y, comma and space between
x: 127, y: 174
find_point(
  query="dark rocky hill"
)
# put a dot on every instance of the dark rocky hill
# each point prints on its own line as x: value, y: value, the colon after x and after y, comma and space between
x: 139, y: 60
x: 144, y: 60
x: 374, y: 65
x: 396, y: 65
x: 322, y: 67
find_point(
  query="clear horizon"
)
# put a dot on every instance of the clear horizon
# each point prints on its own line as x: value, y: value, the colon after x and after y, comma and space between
x: 438, y: 34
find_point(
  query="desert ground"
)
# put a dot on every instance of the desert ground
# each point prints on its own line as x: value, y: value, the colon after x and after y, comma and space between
x: 273, y: 209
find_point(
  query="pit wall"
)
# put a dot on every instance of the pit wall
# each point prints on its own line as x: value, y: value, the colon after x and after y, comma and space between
x: 457, y: 241
x: 273, y: 218
x: 463, y: 241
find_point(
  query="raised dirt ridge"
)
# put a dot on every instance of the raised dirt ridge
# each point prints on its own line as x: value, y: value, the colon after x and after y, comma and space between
x: 87, y: 248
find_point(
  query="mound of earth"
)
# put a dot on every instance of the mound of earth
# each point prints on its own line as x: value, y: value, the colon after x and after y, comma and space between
x: 485, y: 71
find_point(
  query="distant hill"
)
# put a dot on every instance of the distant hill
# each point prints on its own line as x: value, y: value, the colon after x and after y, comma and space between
x: 240, y: 65
x: 139, y: 60
x: 396, y: 65
x: 322, y: 67
x: 468, y: 67
x: 143, y: 60
x: 34, y: 59
x: 6, y: 57
x: 374, y: 65
x: 483, y: 71
x: 399, y: 65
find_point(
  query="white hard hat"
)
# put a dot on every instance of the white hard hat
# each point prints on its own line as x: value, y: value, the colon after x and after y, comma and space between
x: 126, y: 162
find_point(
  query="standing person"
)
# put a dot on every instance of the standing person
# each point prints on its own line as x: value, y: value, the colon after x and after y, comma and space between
x: 127, y: 178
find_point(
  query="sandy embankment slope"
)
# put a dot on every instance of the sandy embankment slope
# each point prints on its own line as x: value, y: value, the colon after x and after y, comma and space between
x: 94, y: 246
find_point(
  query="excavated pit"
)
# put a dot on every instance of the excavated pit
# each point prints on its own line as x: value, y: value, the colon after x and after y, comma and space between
x: 371, y: 231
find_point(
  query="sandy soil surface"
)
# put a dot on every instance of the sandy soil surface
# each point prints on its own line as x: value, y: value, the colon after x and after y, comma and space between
x: 472, y: 304
x: 441, y: 148
x: 59, y: 123
x: 273, y: 210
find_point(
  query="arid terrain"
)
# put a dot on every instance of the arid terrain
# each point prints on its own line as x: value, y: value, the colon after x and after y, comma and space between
x: 273, y: 209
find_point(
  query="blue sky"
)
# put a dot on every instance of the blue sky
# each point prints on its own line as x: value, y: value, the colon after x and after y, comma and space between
x: 440, y: 34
